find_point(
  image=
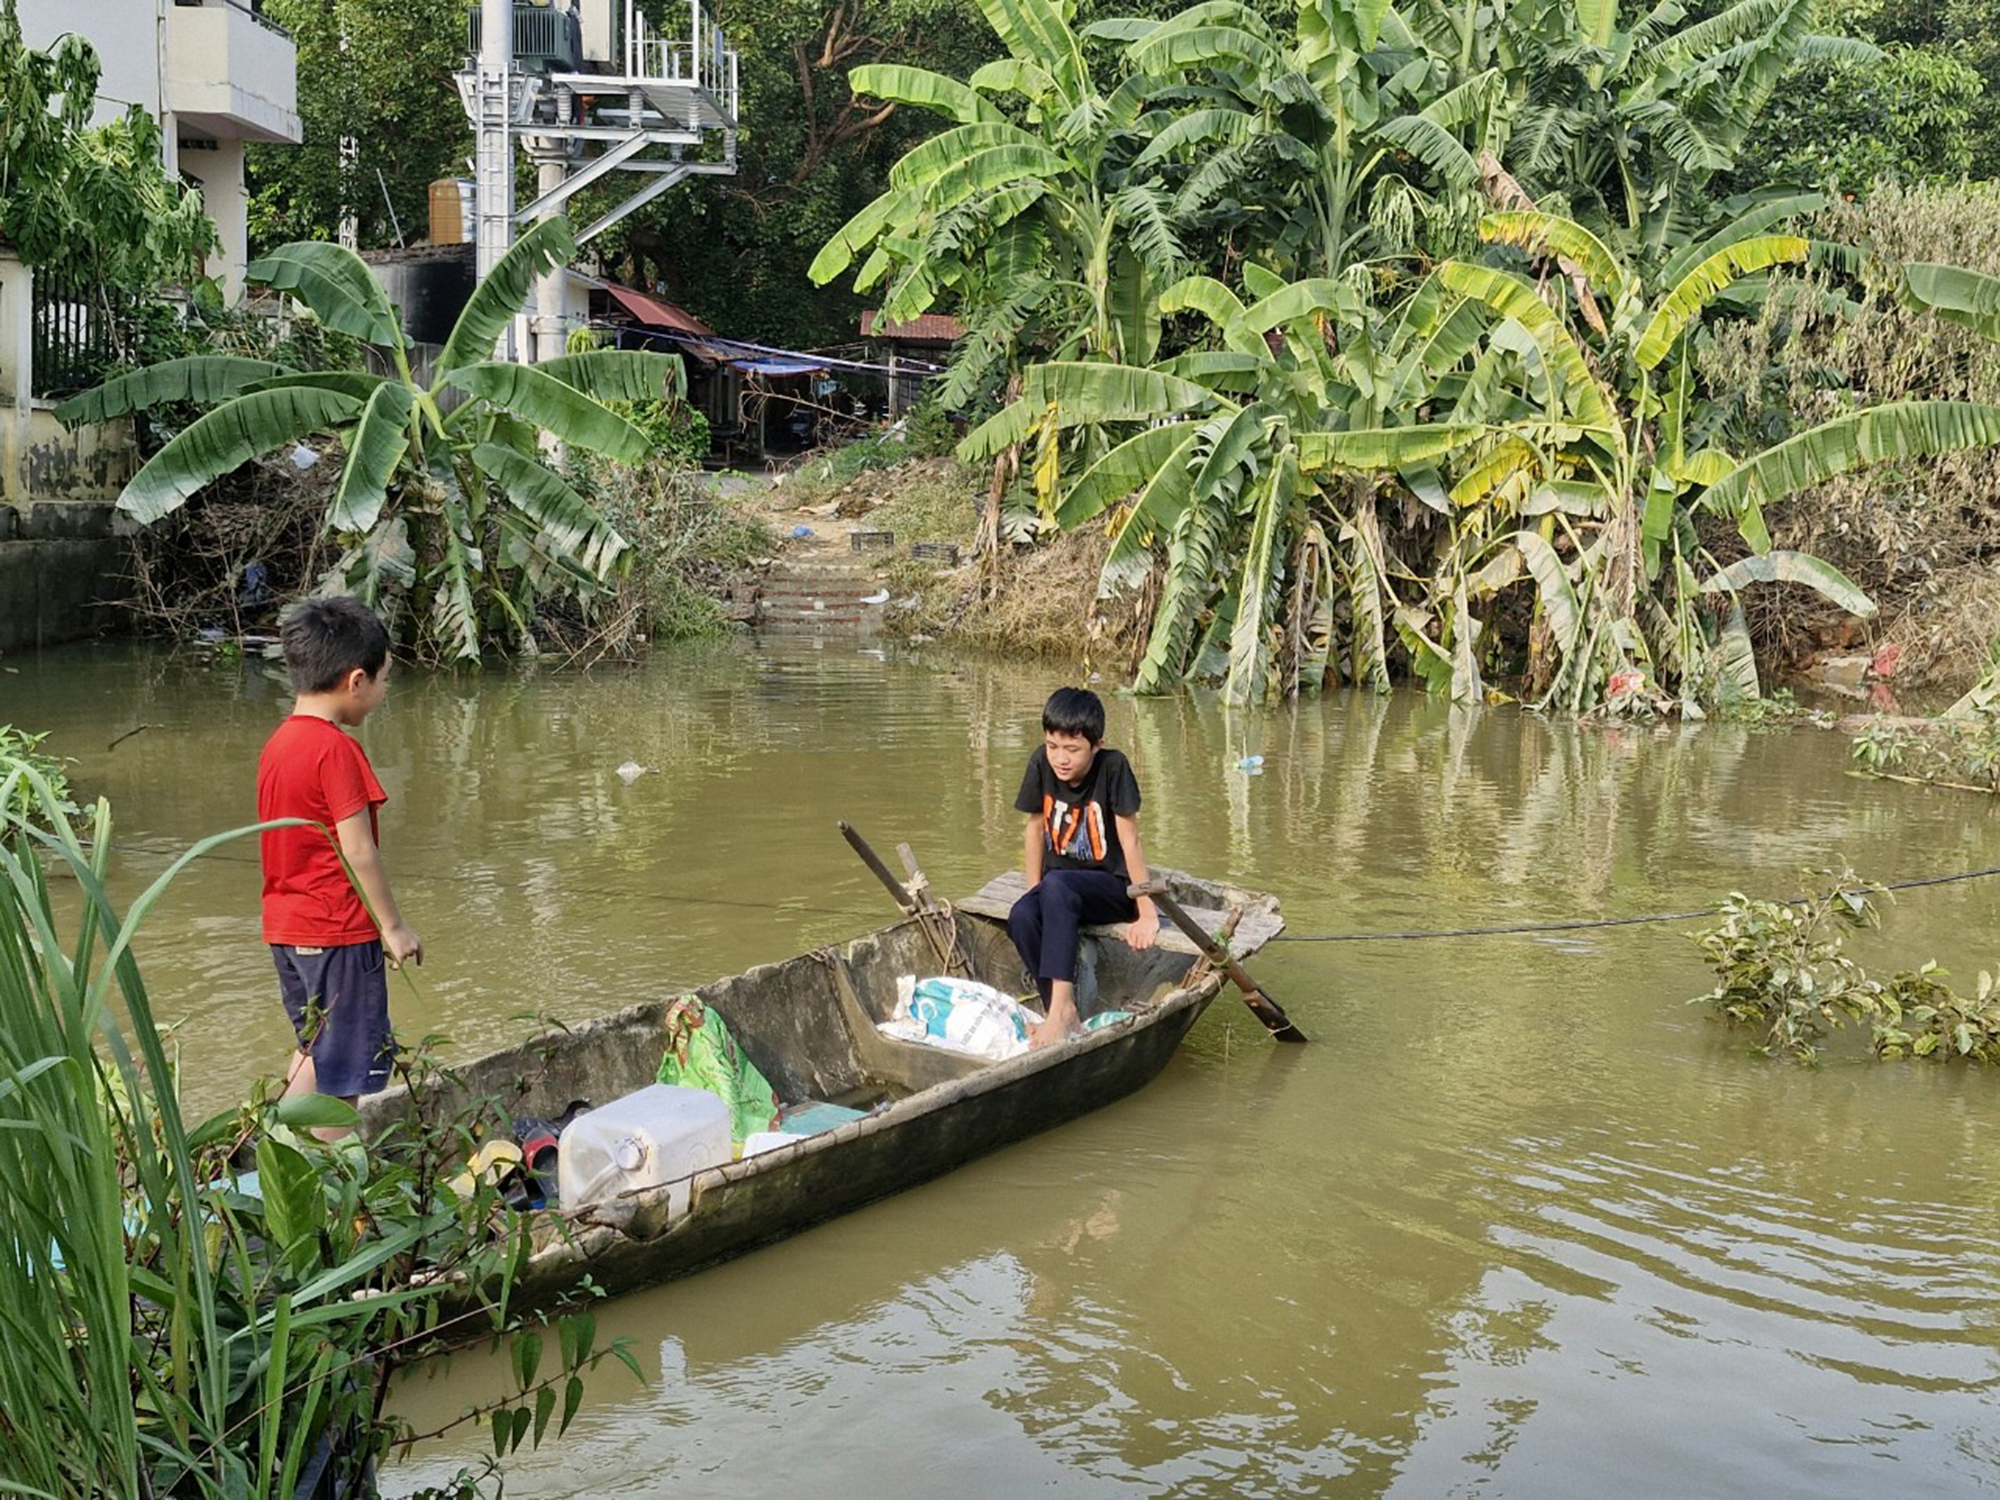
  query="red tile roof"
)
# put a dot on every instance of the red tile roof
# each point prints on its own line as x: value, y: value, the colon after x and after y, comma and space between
x: 931, y: 328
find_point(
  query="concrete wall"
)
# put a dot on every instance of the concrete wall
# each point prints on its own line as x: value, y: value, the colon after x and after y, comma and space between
x: 217, y: 164
x: 131, y: 38
x: 61, y: 543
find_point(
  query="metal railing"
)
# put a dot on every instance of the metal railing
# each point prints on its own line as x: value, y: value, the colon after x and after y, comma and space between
x: 703, y: 57
x: 75, y: 329
x: 254, y: 9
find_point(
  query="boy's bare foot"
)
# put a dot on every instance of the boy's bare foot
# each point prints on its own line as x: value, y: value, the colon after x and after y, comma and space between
x: 1060, y: 1026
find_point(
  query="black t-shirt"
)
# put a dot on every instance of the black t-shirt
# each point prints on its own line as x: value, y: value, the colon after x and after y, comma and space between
x: 1079, y: 827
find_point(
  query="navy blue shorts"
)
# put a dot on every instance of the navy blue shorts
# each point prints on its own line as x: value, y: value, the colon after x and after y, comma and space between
x: 338, y: 999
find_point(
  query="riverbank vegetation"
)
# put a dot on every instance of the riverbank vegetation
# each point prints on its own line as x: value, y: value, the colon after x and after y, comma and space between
x: 1782, y: 970
x: 443, y: 514
x: 178, y: 1324
x: 1376, y: 341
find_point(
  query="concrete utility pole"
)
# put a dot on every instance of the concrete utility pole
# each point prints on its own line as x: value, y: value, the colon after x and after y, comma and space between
x: 493, y: 114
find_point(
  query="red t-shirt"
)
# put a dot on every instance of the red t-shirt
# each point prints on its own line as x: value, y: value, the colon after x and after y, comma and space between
x: 312, y: 768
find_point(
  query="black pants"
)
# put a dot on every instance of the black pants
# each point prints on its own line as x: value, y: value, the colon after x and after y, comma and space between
x: 1043, y: 922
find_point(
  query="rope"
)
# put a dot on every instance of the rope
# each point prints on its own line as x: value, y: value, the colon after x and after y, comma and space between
x: 1582, y: 924
x: 1522, y: 929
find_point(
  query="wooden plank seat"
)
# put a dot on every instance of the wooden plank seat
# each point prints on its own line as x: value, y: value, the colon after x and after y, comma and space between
x: 1261, y: 919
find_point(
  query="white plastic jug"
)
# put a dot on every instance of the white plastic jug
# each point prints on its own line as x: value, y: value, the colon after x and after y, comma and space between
x: 661, y: 1134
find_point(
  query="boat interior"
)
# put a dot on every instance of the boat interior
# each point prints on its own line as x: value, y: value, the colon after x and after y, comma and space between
x: 809, y: 1023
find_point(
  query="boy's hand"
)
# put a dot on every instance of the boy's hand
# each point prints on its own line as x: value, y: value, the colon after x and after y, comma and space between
x: 1143, y: 931
x: 402, y: 944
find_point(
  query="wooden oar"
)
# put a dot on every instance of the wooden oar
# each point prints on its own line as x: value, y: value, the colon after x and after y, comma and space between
x: 870, y: 859
x: 1262, y: 1006
x: 916, y: 900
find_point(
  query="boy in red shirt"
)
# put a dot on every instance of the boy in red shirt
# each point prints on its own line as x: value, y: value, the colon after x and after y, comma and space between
x: 329, y: 951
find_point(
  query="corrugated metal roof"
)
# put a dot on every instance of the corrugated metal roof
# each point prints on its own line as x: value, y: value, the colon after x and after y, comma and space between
x: 931, y: 328
x: 656, y: 313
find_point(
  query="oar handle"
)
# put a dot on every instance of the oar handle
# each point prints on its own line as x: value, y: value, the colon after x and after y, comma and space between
x: 869, y: 858
x: 1262, y: 1006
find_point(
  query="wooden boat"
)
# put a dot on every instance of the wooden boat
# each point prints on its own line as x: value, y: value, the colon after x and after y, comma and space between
x: 809, y: 1024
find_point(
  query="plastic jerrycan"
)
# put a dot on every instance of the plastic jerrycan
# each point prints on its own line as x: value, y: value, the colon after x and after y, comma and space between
x: 661, y: 1134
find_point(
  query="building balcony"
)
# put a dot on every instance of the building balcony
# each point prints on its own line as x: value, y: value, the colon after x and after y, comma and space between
x: 232, y: 73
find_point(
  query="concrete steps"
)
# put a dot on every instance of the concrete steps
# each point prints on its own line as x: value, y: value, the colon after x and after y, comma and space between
x: 819, y: 598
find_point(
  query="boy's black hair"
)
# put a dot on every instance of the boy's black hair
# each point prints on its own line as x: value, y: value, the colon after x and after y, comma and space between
x: 1074, y: 711
x: 325, y: 639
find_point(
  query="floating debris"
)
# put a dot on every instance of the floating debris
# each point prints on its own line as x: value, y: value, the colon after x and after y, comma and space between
x: 631, y: 771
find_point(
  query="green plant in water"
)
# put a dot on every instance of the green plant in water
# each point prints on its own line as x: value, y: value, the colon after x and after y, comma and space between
x: 451, y: 521
x: 1779, y: 965
x: 1962, y: 752
x: 23, y: 803
x: 169, y: 1331
x: 1781, y: 969
x: 1923, y: 1017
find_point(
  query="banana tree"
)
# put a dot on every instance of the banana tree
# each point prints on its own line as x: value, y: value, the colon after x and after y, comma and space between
x: 1620, y: 557
x: 1349, y: 133
x: 1028, y: 210
x: 1243, y: 462
x: 1626, y: 115
x: 448, y: 513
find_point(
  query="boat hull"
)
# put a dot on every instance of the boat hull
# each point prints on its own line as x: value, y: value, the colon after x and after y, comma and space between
x: 809, y: 1024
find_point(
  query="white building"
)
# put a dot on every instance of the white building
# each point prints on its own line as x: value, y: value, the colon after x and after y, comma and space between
x: 214, y: 73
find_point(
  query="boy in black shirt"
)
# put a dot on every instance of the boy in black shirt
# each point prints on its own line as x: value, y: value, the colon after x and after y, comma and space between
x: 1079, y: 852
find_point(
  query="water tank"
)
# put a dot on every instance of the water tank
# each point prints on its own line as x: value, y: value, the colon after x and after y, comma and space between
x: 451, y: 212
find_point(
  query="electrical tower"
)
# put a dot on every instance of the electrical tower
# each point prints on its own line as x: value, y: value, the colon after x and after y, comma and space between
x: 590, y: 88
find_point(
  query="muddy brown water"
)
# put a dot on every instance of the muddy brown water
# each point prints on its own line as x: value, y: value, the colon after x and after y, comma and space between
x: 1519, y: 1222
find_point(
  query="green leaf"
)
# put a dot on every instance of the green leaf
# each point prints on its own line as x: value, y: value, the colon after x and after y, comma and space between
x: 924, y: 164
x: 336, y: 284
x: 1126, y: 468
x: 547, y: 245
x: 572, y: 1399
x: 858, y: 233
x: 1384, y: 449
x: 559, y: 409
x: 228, y: 437
x: 984, y: 173
x: 1559, y: 601
x: 527, y: 1357
x: 573, y: 529
x: 1904, y: 429
x: 317, y: 1112
x: 203, y: 379
x: 1257, y: 586
x: 294, y: 1206
x: 1433, y: 145
x: 1298, y: 299
x: 375, y: 446
x: 545, y: 1406
x: 620, y: 374
x: 1753, y: 222
x: 1701, y: 285
x: 1597, y: 20
x: 1955, y: 294
x: 1550, y: 235
x: 1792, y: 567
x: 1159, y: 507
x: 1513, y: 298
x: 896, y: 83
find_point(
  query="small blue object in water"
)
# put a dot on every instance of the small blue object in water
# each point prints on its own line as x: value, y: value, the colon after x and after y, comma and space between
x: 1250, y: 762
x: 802, y: 531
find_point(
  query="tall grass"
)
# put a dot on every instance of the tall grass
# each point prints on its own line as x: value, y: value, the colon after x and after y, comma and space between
x: 161, y: 1330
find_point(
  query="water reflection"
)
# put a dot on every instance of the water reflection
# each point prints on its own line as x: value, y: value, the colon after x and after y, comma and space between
x: 1519, y: 1222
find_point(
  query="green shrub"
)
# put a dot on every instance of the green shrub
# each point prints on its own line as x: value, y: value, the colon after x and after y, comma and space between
x: 21, y: 799
x: 1780, y: 968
